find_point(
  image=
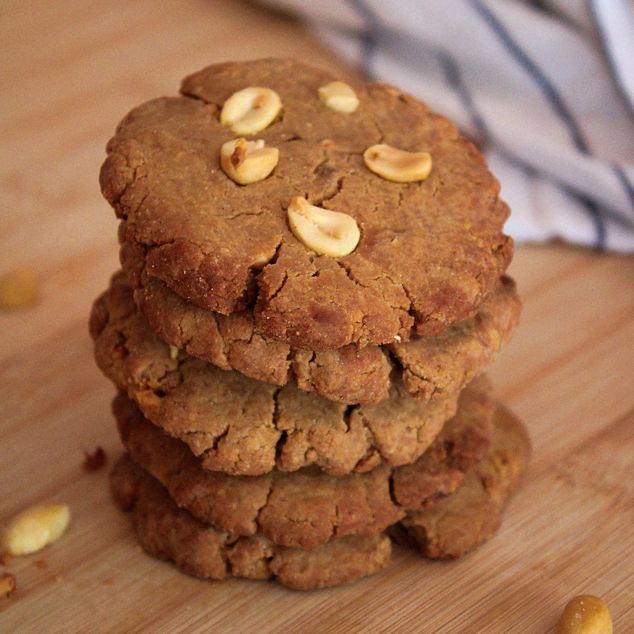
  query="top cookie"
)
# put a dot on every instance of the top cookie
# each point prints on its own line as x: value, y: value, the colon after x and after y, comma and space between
x: 429, y: 251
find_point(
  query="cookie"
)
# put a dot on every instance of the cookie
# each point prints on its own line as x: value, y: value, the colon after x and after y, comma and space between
x: 432, y: 367
x: 347, y: 375
x: 449, y: 529
x: 308, y: 508
x: 429, y: 365
x: 167, y: 532
x: 429, y: 251
x: 473, y: 513
x: 245, y: 427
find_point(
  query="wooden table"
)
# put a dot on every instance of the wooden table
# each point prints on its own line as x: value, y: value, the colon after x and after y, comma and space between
x: 70, y: 70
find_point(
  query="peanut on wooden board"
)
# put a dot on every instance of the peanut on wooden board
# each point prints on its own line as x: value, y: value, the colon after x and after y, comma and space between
x: 18, y: 288
x: 34, y: 528
x: 585, y: 614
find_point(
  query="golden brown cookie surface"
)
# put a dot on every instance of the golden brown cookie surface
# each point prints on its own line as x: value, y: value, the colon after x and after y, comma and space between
x: 430, y: 367
x: 167, y: 532
x: 308, y: 507
x: 473, y: 513
x: 448, y: 529
x: 429, y: 253
x: 244, y: 427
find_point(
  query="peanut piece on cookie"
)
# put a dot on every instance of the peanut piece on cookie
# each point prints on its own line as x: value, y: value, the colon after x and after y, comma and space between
x: 247, y: 162
x: 397, y: 165
x: 324, y: 231
x: 34, y: 528
x: 338, y: 96
x: 250, y: 110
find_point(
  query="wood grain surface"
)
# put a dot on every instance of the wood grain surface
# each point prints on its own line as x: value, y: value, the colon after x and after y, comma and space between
x: 70, y: 70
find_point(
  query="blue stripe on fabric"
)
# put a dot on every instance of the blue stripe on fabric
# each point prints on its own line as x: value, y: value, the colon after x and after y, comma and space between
x: 374, y: 28
x: 620, y: 89
x: 625, y: 181
x: 609, y: 59
x: 454, y: 78
x: 599, y: 224
x: 370, y: 36
x: 547, y: 88
x: 549, y: 91
x: 452, y: 74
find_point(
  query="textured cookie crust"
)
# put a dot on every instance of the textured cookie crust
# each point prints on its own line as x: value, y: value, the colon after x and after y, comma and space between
x: 429, y: 366
x: 449, y: 529
x: 347, y: 375
x: 473, y: 513
x: 308, y: 508
x: 429, y: 252
x: 167, y: 532
x: 244, y: 427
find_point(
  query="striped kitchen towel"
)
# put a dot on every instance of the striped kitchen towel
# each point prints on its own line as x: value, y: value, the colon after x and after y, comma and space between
x: 546, y: 87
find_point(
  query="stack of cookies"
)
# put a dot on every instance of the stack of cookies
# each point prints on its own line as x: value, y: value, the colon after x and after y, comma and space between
x: 312, y: 285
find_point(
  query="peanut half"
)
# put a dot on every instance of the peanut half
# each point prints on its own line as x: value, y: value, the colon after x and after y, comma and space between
x: 397, y: 165
x: 585, y: 614
x: 247, y: 162
x: 324, y: 231
x: 18, y: 288
x: 338, y: 96
x: 250, y: 110
x: 34, y: 528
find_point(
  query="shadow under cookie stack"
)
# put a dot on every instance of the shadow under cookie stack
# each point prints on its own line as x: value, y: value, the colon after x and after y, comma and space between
x: 312, y: 285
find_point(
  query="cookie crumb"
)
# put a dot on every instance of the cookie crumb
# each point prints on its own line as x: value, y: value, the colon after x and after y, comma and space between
x: 93, y: 461
x: 18, y: 289
x: 7, y: 584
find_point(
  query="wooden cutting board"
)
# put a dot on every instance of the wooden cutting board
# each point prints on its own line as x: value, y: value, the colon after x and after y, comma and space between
x: 70, y: 70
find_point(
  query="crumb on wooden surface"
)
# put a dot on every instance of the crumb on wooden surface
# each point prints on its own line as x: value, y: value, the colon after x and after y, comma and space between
x: 7, y: 584
x: 95, y: 460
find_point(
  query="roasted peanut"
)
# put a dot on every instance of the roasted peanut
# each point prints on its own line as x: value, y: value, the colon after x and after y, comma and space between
x: 340, y: 97
x: 397, y: 165
x: 250, y: 110
x: 18, y: 288
x: 247, y: 162
x: 34, y: 528
x: 324, y: 231
x: 585, y: 614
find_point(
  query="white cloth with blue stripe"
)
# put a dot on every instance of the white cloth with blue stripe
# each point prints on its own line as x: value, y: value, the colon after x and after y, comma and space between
x: 546, y: 88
